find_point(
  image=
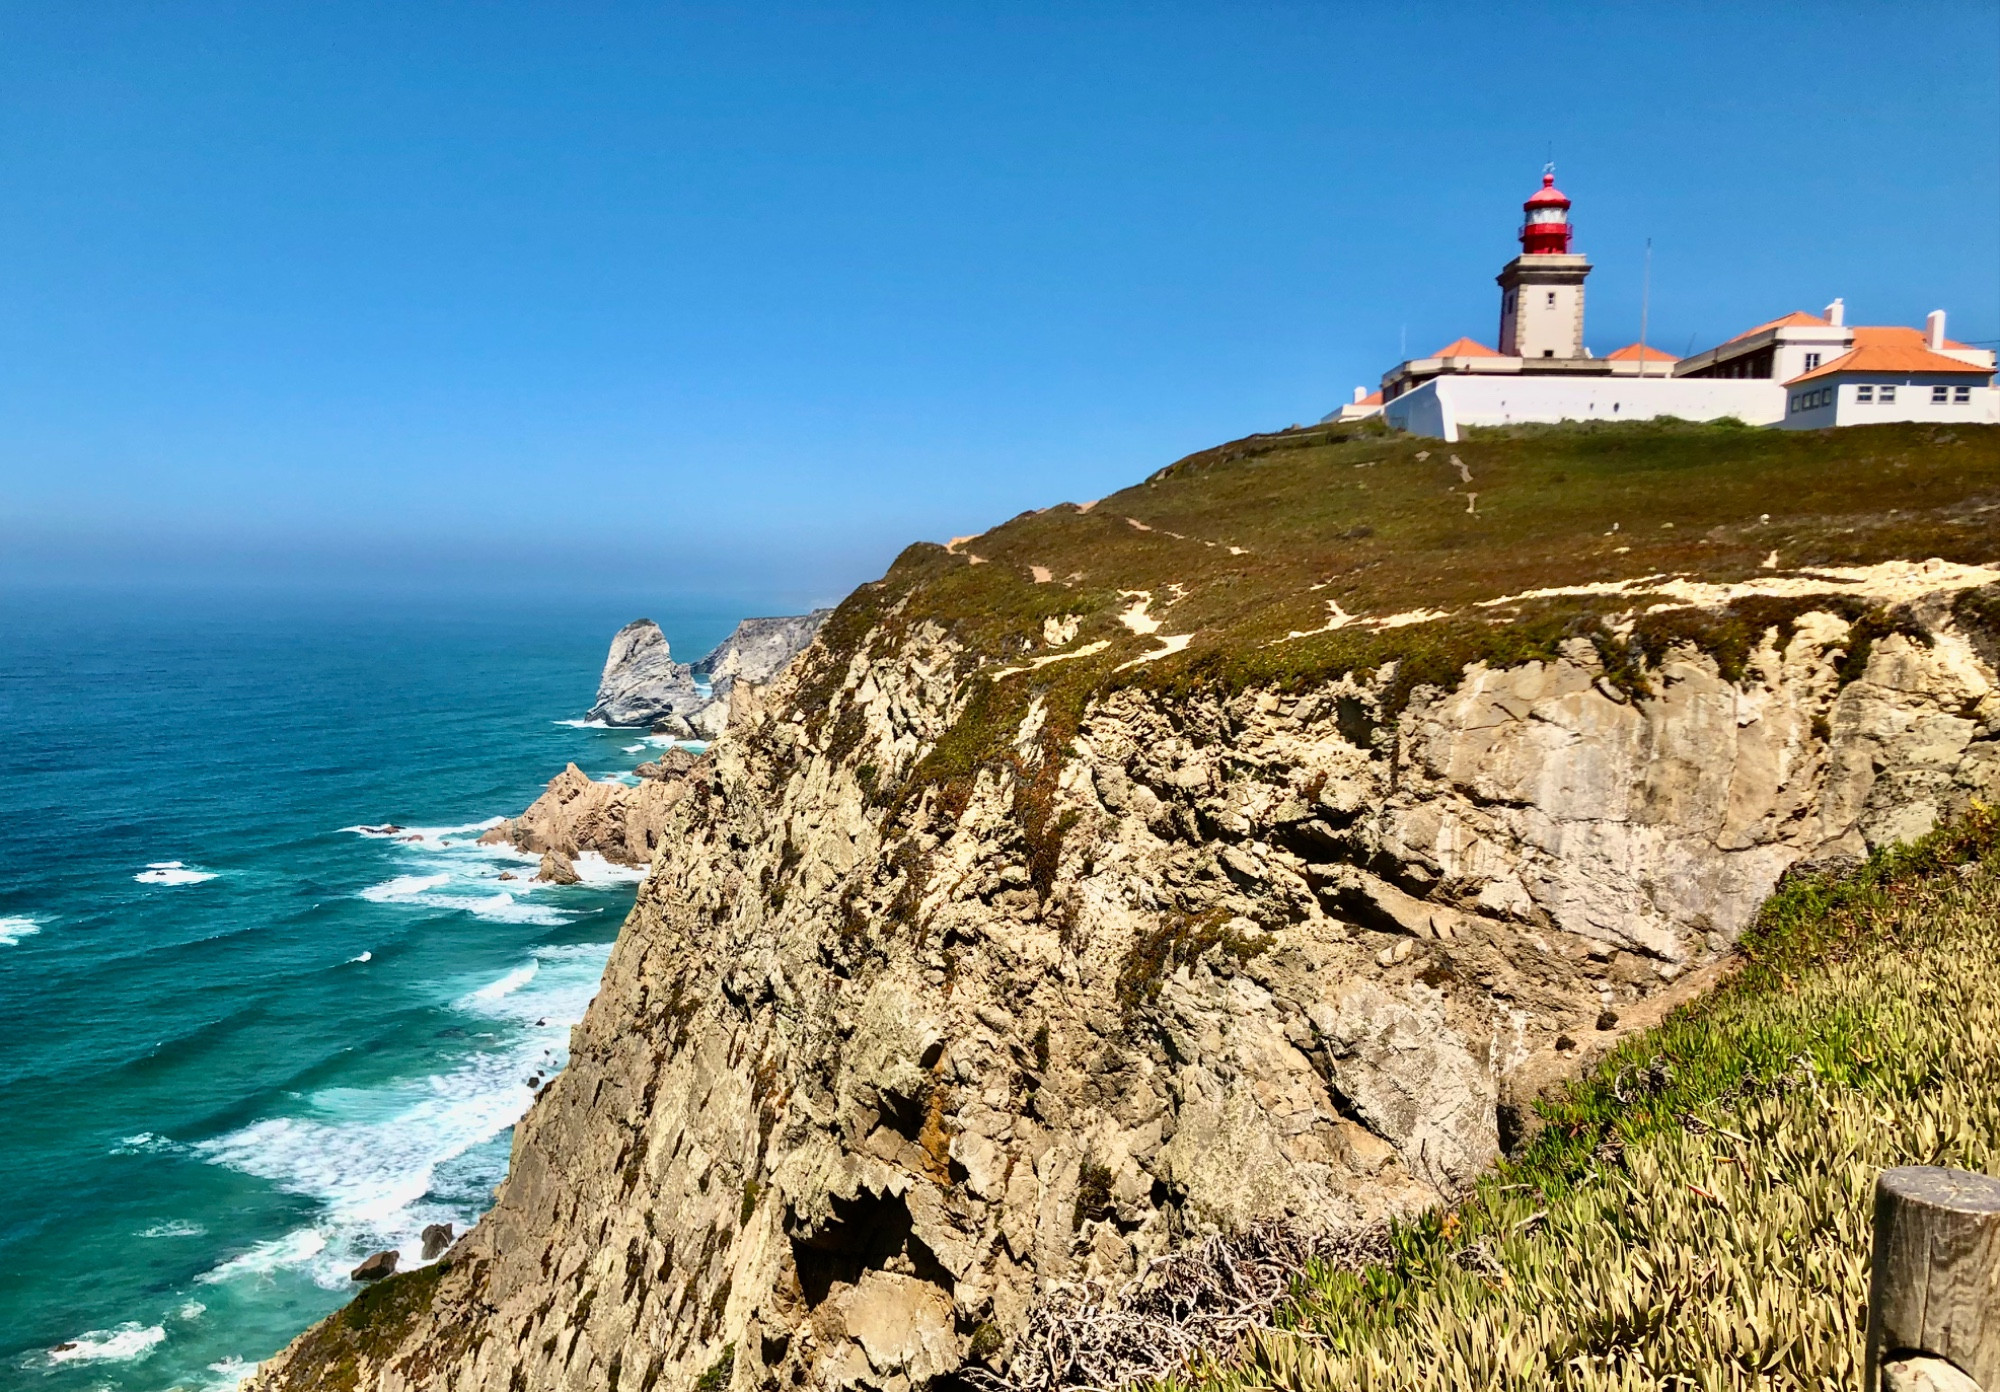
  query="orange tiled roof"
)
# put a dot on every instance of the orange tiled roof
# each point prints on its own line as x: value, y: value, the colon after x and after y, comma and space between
x: 1465, y: 348
x: 1632, y: 351
x: 1798, y: 318
x: 1897, y: 334
x: 1373, y: 398
x: 1891, y: 350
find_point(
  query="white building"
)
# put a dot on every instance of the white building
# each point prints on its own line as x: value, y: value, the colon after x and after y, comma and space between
x: 1896, y: 374
x: 1802, y: 370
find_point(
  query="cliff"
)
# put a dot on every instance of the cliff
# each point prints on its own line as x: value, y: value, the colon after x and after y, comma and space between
x: 1248, y: 845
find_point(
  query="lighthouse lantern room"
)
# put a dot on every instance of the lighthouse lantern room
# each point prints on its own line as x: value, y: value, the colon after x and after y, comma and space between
x: 1541, y: 290
x: 1546, y: 232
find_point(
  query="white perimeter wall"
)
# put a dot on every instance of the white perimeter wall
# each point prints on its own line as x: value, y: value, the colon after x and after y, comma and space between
x: 1913, y: 403
x: 1441, y: 406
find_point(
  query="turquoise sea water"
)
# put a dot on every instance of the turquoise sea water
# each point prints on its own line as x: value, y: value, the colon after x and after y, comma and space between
x: 245, y: 1044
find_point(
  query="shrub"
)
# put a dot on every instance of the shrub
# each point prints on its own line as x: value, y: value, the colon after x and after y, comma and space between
x: 1697, y: 1211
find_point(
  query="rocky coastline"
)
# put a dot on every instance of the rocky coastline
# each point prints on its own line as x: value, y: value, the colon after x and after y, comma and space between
x: 901, y: 1042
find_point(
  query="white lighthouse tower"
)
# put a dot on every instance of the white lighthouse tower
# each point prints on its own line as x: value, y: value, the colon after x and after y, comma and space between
x: 1541, y: 290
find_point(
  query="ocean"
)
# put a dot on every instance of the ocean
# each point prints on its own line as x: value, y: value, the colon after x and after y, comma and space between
x: 247, y: 1043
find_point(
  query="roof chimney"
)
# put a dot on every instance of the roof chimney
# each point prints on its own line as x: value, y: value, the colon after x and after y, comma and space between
x: 1934, y: 330
x: 1836, y: 313
x: 1360, y: 395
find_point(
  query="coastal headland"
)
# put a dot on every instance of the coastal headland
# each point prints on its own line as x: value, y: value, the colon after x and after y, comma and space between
x: 1246, y: 851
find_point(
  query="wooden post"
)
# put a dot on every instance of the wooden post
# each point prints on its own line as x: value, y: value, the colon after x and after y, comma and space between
x: 1935, y: 1288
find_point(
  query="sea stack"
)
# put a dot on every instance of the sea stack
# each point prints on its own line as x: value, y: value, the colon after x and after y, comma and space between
x: 642, y: 683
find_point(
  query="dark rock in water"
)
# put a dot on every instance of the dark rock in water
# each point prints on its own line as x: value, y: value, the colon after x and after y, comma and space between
x: 534, y: 1080
x: 437, y: 1237
x: 509, y: 875
x: 1608, y: 1020
x: 540, y: 1023
x: 64, y: 1347
x: 557, y: 869
x: 386, y: 829
x: 375, y: 1268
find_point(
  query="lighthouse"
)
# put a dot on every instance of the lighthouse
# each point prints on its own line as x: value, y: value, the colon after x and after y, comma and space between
x: 1541, y: 290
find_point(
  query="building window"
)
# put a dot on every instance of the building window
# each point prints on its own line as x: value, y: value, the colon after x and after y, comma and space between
x: 1552, y: 297
x: 1812, y: 361
x: 1864, y: 393
x: 1548, y: 352
x: 1960, y: 396
x: 1887, y: 396
x: 1939, y: 395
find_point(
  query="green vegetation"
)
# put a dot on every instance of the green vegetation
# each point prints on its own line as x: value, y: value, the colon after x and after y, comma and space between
x: 1241, y: 546
x: 367, y: 1329
x: 716, y: 1376
x: 1696, y: 1212
x: 1176, y: 942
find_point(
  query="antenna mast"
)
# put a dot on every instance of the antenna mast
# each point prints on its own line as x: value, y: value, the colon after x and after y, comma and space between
x: 1645, y: 303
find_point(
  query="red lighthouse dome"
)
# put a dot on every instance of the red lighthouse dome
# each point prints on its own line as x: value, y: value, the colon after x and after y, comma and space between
x: 1546, y: 231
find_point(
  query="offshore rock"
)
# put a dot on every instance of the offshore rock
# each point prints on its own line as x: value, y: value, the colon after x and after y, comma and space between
x: 642, y: 683
x: 437, y: 1237
x: 557, y: 868
x: 577, y: 814
x: 375, y: 1267
x: 870, y: 1073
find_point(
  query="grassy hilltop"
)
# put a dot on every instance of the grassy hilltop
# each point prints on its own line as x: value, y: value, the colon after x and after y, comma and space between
x: 1237, y: 548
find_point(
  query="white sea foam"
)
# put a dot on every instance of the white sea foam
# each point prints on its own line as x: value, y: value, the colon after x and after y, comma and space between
x: 404, y: 888
x: 293, y: 1249
x: 176, y: 1228
x: 590, y: 725
x: 594, y: 869
x: 423, y: 892
x: 363, y: 956
x: 505, y: 986
x: 173, y: 872
x: 192, y: 1310
x: 635, y: 748
x: 124, y: 1344
x: 12, y: 930
x: 229, y: 1375
x: 145, y: 1143
x: 386, y: 831
x: 504, y: 908
x: 371, y: 1156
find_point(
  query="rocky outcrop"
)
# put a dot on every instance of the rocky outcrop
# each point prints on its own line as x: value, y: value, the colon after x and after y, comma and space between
x: 643, y: 685
x: 375, y: 1268
x: 870, y: 1072
x: 578, y: 814
x: 758, y: 650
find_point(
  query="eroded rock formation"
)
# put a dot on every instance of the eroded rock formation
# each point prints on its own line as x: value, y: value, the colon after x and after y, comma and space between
x: 643, y: 685
x: 870, y: 1071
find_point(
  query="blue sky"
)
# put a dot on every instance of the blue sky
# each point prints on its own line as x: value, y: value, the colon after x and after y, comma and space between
x: 738, y: 300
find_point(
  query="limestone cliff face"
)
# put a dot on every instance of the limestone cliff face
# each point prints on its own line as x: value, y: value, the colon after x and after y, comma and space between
x: 863, y: 1079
